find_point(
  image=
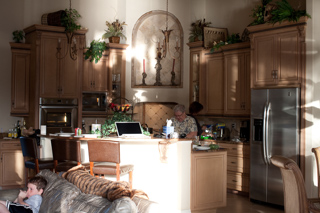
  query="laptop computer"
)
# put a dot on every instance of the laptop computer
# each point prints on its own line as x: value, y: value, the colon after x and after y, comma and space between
x: 130, y: 130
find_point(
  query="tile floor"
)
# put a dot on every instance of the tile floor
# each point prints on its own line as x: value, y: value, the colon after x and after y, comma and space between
x: 242, y: 204
x: 235, y: 203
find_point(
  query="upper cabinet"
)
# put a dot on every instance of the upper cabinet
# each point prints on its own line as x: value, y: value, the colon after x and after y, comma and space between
x: 108, y: 75
x: 221, y: 80
x: 20, y: 79
x: 277, y: 54
x: 95, y: 75
x: 237, y: 79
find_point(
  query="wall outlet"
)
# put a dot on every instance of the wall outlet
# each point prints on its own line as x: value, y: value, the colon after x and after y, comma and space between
x: 233, y: 125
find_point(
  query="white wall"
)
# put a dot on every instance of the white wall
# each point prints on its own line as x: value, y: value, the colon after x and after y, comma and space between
x: 313, y: 96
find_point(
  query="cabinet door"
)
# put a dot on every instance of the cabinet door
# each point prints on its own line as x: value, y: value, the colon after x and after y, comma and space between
x: 289, y: 60
x: 213, y: 88
x: 237, y: 86
x: 69, y: 86
x: 20, y: 79
x: 87, y: 77
x: 263, y: 61
x: 208, y: 181
x: 49, y: 64
x: 12, y: 168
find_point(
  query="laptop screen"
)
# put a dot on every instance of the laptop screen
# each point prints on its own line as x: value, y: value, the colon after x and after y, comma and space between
x: 128, y: 128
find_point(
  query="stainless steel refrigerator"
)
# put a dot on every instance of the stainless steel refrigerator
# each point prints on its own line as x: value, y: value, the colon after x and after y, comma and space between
x: 275, y: 130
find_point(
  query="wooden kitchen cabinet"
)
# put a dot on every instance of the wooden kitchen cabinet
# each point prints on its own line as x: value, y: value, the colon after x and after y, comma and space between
x: 238, y: 166
x: 95, y: 75
x: 20, y: 67
x: 108, y: 74
x: 11, y: 165
x: 237, y: 79
x: 117, y: 70
x: 59, y: 77
x: 212, y: 84
x: 208, y: 180
x: 223, y: 79
x: 278, y: 54
x: 195, y: 62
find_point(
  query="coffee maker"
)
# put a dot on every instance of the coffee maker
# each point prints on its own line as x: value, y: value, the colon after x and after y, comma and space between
x: 245, y: 131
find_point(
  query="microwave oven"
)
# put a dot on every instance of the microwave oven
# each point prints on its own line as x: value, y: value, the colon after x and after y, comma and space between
x: 94, y: 102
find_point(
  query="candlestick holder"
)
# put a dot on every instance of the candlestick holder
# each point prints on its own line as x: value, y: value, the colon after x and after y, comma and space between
x: 158, y: 68
x: 173, y: 77
x: 144, y: 75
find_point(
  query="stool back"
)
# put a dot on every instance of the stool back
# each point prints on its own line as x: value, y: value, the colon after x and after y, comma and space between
x: 29, y: 147
x: 66, y: 150
x: 104, y: 151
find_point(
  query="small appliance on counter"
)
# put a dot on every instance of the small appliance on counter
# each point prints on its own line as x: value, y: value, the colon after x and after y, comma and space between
x: 245, y: 131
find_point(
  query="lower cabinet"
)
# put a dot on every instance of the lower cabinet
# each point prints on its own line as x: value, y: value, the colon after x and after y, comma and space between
x: 11, y: 165
x: 238, y: 166
x: 208, y: 180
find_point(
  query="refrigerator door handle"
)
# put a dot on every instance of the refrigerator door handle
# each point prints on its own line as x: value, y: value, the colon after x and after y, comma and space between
x: 267, y: 136
x: 264, y: 133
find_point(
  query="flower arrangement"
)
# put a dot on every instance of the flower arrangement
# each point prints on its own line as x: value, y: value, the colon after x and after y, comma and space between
x: 114, y: 30
x: 18, y: 35
x: 119, y: 108
x: 234, y: 38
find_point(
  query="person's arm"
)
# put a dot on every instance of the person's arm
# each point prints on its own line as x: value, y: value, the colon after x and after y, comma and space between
x: 20, y: 199
x: 192, y: 135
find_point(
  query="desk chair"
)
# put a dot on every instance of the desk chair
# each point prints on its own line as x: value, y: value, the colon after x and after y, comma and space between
x: 295, y: 195
x: 107, y: 152
x: 316, y: 152
x: 31, y: 157
x: 66, y: 154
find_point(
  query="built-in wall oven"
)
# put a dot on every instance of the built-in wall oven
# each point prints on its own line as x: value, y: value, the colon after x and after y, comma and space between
x: 59, y: 115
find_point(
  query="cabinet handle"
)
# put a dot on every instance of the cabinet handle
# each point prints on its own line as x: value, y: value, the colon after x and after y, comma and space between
x: 234, y: 181
x: 91, y: 83
x: 233, y: 162
x: 234, y: 148
x: 274, y: 74
x: 12, y: 103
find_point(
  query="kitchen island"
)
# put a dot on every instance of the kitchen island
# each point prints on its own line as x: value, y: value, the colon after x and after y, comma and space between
x: 162, y: 169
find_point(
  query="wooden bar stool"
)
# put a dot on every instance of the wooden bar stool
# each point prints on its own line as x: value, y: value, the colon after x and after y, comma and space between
x: 107, y: 152
x: 31, y: 157
x: 66, y: 154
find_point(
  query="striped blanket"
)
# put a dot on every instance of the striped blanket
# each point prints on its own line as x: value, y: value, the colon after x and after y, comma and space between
x: 111, y: 190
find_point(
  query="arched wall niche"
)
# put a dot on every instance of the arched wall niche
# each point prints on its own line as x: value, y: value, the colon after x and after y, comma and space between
x: 145, y: 36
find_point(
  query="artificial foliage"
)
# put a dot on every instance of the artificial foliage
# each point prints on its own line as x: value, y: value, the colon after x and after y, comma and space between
x: 114, y: 29
x: 234, y: 38
x: 95, y: 50
x: 110, y: 127
x: 196, y: 31
x: 69, y: 20
x: 18, y: 35
x: 258, y: 13
x: 285, y: 12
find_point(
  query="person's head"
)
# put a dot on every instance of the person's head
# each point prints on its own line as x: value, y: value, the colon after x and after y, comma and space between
x: 36, y: 186
x: 195, y: 107
x: 179, y: 112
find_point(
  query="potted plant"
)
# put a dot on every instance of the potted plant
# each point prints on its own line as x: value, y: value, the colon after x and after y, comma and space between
x: 196, y: 31
x: 18, y: 36
x: 95, y: 51
x: 69, y: 19
x: 114, y: 31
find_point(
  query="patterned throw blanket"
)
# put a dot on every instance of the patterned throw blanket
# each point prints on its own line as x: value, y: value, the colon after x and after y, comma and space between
x: 111, y: 190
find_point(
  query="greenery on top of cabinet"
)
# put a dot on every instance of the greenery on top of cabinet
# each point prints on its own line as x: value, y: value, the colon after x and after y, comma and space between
x: 95, y: 50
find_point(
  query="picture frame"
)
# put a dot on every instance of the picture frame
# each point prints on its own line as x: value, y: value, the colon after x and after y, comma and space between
x: 212, y: 34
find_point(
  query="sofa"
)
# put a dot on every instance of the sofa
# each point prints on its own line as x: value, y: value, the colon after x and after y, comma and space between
x: 62, y: 196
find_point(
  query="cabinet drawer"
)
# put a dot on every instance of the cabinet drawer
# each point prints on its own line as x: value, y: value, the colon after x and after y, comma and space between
x: 236, y: 149
x: 11, y: 145
x: 238, y: 164
x: 238, y: 181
